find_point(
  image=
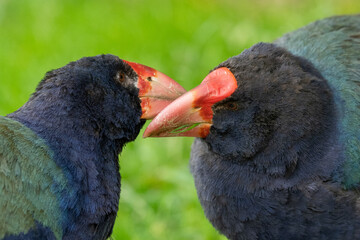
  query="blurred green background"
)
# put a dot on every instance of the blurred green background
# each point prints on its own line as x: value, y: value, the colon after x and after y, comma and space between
x: 184, y: 39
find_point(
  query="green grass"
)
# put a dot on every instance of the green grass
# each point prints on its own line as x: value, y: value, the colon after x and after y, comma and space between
x: 184, y: 39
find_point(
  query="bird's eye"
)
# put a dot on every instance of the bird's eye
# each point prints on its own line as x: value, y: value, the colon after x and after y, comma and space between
x: 231, y: 106
x: 149, y: 79
x: 121, y: 77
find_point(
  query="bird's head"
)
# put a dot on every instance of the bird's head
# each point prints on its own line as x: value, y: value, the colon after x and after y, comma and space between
x: 262, y: 104
x: 116, y: 93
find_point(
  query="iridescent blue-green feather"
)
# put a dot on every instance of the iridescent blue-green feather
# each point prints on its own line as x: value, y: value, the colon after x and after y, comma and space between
x: 30, y: 185
x: 333, y: 46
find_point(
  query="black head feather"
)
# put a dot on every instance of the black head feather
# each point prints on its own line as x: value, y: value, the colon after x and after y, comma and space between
x: 87, y: 111
x: 282, y: 112
x: 266, y: 169
x: 100, y: 89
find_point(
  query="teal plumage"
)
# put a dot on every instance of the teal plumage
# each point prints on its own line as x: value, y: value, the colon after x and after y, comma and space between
x: 30, y: 181
x: 333, y: 46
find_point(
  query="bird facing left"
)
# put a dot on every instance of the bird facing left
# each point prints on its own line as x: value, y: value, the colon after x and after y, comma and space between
x: 59, y: 171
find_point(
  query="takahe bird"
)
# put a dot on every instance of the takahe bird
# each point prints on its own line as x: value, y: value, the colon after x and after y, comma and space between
x: 59, y: 171
x: 278, y: 153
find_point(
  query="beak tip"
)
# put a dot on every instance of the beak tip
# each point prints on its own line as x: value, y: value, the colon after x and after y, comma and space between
x: 146, y: 134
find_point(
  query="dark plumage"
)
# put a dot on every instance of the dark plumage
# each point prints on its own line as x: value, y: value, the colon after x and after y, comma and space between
x: 281, y: 159
x: 59, y: 171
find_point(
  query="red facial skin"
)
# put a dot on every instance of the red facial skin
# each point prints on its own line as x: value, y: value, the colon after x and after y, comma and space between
x: 191, y: 114
x: 156, y: 90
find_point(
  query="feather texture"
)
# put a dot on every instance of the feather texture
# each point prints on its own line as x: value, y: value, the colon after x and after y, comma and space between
x: 285, y: 163
x: 333, y: 46
x: 30, y: 180
x: 59, y: 152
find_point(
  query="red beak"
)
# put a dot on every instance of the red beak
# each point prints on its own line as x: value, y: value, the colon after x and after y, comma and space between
x: 191, y: 114
x: 156, y: 90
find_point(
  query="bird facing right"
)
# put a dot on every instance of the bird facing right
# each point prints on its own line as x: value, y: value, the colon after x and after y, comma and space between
x: 278, y: 126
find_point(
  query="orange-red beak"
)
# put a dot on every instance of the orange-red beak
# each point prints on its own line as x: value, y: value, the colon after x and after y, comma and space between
x: 156, y: 90
x: 191, y: 114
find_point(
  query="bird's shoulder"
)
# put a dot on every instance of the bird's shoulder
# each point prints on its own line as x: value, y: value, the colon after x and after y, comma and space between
x: 30, y: 183
x: 333, y: 46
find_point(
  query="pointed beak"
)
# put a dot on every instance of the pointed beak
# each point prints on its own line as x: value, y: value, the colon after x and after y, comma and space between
x: 156, y: 90
x: 191, y: 114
